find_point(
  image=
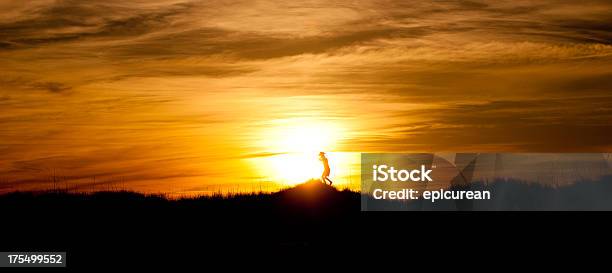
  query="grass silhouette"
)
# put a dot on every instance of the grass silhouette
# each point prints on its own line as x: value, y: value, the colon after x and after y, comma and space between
x: 310, y: 214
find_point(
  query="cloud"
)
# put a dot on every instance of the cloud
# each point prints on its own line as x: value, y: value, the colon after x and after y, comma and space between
x: 21, y: 83
x: 258, y: 155
x: 102, y: 34
x: 527, y: 125
x: 53, y: 87
x: 68, y: 21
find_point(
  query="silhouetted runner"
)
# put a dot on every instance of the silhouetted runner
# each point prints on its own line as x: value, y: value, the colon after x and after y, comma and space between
x: 326, y: 170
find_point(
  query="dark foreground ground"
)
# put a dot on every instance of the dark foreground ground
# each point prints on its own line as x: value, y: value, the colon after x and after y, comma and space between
x: 128, y: 227
x: 112, y: 229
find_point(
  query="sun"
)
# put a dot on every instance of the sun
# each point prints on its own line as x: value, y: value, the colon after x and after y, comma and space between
x: 303, y: 136
x: 293, y: 168
x: 296, y: 143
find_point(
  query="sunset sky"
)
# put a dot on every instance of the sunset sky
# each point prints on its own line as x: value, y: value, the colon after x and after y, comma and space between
x: 197, y: 96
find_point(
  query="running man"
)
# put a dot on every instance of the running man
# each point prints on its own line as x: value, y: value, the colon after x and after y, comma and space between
x: 326, y: 169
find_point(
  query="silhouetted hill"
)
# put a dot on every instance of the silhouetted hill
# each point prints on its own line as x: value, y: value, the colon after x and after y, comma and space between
x: 311, y: 214
x: 150, y: 228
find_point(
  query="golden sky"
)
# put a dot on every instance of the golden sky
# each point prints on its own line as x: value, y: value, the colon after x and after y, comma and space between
x: 189, y: 96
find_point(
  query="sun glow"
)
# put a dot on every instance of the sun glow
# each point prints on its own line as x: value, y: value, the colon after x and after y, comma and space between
x: 302, y: 136
x: 298, y: 142
x: 294, y: 168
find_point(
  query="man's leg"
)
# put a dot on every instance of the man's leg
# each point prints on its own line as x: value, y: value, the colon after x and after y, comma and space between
x: 330, y: 182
